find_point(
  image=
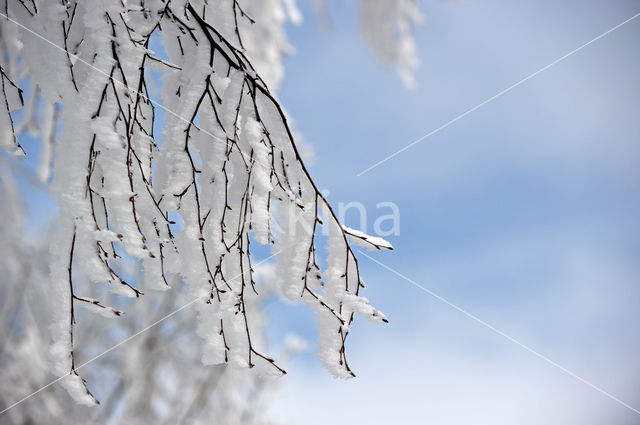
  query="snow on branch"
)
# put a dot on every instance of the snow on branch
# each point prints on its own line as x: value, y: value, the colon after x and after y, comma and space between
x: 367, y: 241
x: 186, y: 194
x: 388, y: 27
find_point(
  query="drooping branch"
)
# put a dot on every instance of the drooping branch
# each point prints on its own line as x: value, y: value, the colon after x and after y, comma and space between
x: 190, y: 200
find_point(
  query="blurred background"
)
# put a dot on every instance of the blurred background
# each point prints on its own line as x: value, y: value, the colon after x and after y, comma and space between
x: 523, y: 213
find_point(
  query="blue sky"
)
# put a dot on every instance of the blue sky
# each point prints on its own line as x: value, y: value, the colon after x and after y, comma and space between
x: 524, y: 213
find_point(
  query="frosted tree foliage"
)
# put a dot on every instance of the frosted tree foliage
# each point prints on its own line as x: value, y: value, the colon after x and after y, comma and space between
x: 155, y: 377
x: 182, y: 182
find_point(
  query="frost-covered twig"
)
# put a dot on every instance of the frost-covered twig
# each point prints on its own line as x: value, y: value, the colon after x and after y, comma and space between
x: 187, y: 202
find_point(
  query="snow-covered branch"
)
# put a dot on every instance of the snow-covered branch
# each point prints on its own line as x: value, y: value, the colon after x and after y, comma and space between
x: 183, y: 180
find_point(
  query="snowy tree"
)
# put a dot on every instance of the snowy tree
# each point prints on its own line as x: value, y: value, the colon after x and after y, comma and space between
x: 141, y: 374
x: 161, y: 191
